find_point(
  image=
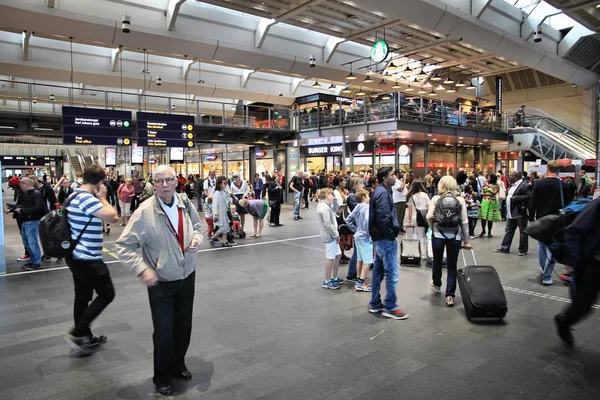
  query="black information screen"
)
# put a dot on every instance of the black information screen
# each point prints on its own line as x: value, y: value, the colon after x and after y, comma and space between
x: 165, y: 130
x: 96, y: 127
x: 34, y: 161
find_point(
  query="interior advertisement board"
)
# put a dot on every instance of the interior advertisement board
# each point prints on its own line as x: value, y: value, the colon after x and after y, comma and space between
x: 137, y: 154
x: 110, y: 157
x: 176, y: 154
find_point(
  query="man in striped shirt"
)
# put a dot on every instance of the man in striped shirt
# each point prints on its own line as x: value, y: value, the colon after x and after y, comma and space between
x: 85, y: 212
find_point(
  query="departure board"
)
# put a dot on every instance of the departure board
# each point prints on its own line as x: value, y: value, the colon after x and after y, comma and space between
x: 96, y: 127
x: 34, y: 161
x: 165, y: 130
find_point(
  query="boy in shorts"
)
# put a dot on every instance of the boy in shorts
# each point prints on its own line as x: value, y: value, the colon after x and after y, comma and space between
x: 329, y: 235
x: 358, y: 222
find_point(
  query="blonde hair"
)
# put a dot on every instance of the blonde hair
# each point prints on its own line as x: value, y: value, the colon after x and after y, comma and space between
x: 354, y: 182
x: 128, y: 180
x: 361, y: 195
x: 322, y: 193
x: 243, y: 202
x: 447, y: 184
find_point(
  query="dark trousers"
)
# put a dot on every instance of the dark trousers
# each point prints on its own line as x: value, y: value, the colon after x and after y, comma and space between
x: 452, y: 248
x: 503, y: 209
x: 305, y: 196
x: 472, y: 225
x: 275, y: 211
x: 511, y: 226
x: 400, y: 212
x: 135, y: 202
x: 587, y: 285
x: 171, y: 304
x: 89, y: 276
x: 257, y: 193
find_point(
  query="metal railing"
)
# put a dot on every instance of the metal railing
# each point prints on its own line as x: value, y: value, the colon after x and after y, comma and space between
x: 26, y: 97
x: 400, y: 107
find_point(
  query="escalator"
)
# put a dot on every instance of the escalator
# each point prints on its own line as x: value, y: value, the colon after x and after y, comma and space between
x: 549, y: 139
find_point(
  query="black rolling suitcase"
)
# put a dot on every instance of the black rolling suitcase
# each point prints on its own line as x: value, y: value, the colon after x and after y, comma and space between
x: 481, y: 291
x: 410, y: 253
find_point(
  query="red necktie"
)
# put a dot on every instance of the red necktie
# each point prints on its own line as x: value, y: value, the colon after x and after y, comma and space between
x: 180, y: 230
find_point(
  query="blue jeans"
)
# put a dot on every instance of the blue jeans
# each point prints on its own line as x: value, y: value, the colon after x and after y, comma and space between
x: 547, y: 262
x: 297, y: 201
x: 352, y: 263
x: 29, y: 235
x: 452, y: 248
x: 385, y: 266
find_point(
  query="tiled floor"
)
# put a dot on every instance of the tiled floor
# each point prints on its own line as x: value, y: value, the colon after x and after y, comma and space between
x: 265, y: 329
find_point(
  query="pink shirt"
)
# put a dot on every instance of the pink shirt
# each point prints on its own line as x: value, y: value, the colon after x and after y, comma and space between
x: 125, y: 193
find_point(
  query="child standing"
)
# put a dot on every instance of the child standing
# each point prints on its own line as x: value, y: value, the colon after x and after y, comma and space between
x: 358, y: 222
x: 208, y: 215
x: 329, y: 235
x: 236, y: 226
x: 472, y: 209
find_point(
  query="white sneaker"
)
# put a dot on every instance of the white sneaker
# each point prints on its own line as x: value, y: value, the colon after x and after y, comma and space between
x: 437, y: 289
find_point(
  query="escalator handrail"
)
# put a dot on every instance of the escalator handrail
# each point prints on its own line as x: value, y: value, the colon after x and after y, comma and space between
x: 565, y: 130
x: 534, y: 112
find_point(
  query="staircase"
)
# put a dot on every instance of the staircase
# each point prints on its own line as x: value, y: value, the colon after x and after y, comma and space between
x: 550, y: 139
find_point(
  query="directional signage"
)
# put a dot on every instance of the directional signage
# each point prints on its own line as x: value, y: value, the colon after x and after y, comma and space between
x: 34, y: 161
x: 165, y: 130
x: 96, y: 127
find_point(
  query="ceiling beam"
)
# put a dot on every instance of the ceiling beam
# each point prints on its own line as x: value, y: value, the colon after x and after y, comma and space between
x: 114, y: 58
x: 265, y: 24
x: 295, y: 85
x: 172, y: 13
x: 246, y: 77
x: 478, y: 7
x: 25, y: 44
x: 186, y: 68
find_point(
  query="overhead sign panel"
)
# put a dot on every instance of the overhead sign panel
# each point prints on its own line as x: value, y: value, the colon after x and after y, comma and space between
x: 96, y: 127
x: 35, y: 161
x: 165, y: 130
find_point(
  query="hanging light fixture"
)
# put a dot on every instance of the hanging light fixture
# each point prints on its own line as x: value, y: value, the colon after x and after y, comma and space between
x: 471, y: 86
x: 361, y: 92
x: 347, y: 89
x: 436, y: 77
x: 396, y: 85
x: 422, y: 74
x: 422, y: 91
x: 415, y: 80
x: 440, y: 87
x: 368, y: 79
x: 451, y: 90
x: 392, y: 67
x: 448, y: 80
x: 332, y: 87
x: 407, y: 71
x: 316, y: 85
x: 461, y: 83
x: 351, y: 76
x: 370, y: 71
x: 386, y: 97
x: 432, y: 93
x: 409, y: 88
x: 382, y: 82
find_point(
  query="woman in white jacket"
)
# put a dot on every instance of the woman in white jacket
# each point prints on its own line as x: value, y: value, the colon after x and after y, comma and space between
x: 221, y: 200
x: 418, y: 202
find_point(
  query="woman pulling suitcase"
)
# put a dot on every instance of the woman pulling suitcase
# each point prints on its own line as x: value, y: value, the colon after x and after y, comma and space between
x: 448, y: 220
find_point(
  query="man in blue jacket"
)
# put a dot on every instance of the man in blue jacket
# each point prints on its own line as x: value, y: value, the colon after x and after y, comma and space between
x: 582, y: 248
x: 383, y: 228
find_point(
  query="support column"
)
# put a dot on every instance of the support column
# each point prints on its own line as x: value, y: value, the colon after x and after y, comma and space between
x: 597, y: 135
x: 225, y: 156
x: 251, y: 164
x: 343, y: 160
x: 396, y: 154
x: 426, y: 159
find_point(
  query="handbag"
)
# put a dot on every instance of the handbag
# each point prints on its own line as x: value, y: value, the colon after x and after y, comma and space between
x: 421, y: 220
x: 502, y: 191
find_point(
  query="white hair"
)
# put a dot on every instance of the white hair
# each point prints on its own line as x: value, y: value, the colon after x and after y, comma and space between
x: 163, y: 168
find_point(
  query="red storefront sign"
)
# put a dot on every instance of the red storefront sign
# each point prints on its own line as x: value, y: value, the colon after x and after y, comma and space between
x: 565, y: 162
x: 591, y: 163
x: 421, y: 164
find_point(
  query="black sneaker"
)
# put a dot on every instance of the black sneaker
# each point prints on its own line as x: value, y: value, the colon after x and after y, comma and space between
x: 27, y: 264
x: 296, y: 218
x: 563, y: 330
x: 33, y: 267
x: 79, y: 343
x: 500, y: 251
x: 107, y: 231
x: 96, y: 341
x: 46, y: 258
x: 59, y: 260
x: 231, y: 243
x: 215, y: 242
x: 351, y: 279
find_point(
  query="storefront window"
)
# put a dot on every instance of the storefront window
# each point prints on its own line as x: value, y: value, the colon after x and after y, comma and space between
x: 466, y: 159
x: 440, y: 158
x: 488, y: 162
x: 418, y: 158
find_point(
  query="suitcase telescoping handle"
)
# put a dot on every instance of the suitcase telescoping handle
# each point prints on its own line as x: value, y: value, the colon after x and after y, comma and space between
x: 462, y: 251
x: 406, y: 233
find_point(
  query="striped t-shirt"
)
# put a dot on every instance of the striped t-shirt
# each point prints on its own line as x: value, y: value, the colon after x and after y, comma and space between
x: 79, y: 211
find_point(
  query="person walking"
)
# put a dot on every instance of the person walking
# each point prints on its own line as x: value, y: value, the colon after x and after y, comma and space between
x: 448, y: 220
x: 489, y: 210
x: 167, y: 229
x: 86, y: 210
x: 29, y: 210
x: 517, y: 204
x: 297, y: 186
x: 257, y: 185
x: 549, y: 196
x: 582, y: 246
x: 210, y: 184
x: 418, y: 204
x: 384, y: 228
x: 126, y: 193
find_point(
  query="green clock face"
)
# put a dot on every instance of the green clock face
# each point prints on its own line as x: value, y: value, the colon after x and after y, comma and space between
x: 380, y: 51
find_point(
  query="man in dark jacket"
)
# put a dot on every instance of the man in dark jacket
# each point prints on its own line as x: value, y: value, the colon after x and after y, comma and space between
x: 31, y: 209
x: 582, y: 239
x: 383, y: 228
x: 546, y: 200
x: 47, y: 193
x: 517, y: 204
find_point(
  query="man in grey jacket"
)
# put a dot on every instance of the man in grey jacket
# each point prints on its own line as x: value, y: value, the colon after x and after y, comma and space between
x: 167, y: 229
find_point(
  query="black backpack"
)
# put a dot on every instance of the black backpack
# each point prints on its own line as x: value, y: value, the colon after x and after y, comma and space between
x: 447, y: 215
x: 55, y: 232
